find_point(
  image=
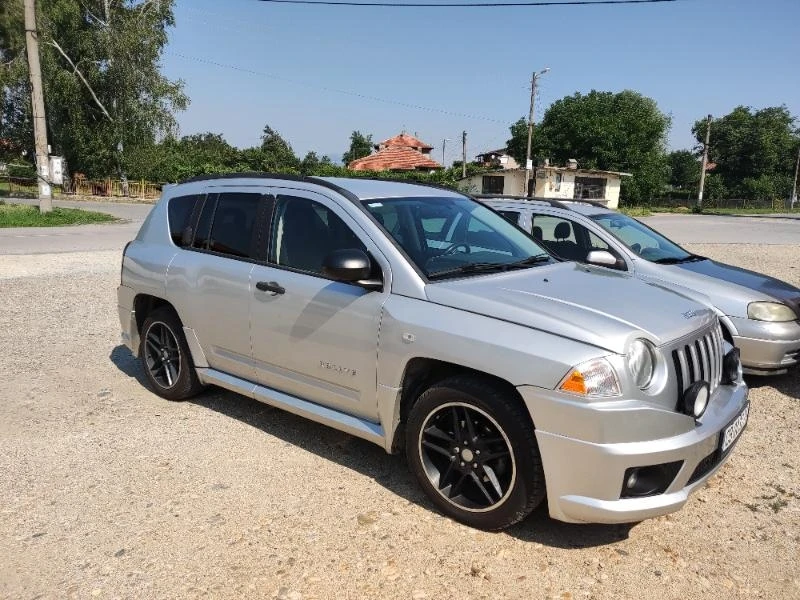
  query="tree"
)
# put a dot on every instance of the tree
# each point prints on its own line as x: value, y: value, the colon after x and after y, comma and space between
x: 754, y: 150
x: 314, y: 165
x: 602, y: 130
x: 684, y: 169
x: 360, y: 146
x: 277, y: 155
x: 104, y: 92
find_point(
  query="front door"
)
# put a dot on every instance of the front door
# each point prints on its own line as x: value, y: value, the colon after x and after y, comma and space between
x: 313, y: 337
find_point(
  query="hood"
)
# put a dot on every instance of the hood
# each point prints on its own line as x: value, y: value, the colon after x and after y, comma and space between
x: 763, y: 285
x: 596, y: 306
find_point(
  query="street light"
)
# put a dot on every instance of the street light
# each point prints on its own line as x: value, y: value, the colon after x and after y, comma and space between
x: 528, y: 162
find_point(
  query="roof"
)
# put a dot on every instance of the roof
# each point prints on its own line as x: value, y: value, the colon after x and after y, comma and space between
x: 405, y: 140
x: 499, y: 151
x: 368, y: 189
x: 394, y: 158
x: 585, y: 207
x: 560, y: 170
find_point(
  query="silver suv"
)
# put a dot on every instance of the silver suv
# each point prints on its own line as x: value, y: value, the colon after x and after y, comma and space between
x: 417, y: 318
x: 760, y: 315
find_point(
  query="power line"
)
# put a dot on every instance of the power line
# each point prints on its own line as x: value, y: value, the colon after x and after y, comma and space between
x: 466, y: 4
x: 335, y: 90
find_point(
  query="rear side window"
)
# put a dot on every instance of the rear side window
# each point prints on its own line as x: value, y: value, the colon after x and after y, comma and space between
x: 511, y: 215
x: 234, y: 224
x: 203, y: 232
x: 179, y: 212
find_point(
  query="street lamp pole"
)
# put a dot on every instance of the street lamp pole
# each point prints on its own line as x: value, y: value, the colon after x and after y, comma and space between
x: 444, y: 144
x: 528, y: 162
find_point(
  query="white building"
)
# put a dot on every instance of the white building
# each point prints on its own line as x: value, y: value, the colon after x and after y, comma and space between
x: 560, y: 183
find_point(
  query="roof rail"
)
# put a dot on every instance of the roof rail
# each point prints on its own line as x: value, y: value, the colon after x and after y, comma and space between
x: 551, y: 201
x: 589, y: 202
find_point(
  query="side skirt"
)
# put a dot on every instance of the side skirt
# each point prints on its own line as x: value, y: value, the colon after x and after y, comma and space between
x: 367, y: 430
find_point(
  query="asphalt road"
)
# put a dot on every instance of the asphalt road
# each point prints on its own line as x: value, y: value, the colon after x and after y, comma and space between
x: 684, y: 229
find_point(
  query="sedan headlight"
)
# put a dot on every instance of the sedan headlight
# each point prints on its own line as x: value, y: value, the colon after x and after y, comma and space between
x: 592, y: 378
x: 770, y: 311
x: 641, y: 363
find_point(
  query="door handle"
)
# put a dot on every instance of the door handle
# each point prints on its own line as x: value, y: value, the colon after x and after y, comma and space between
x: 270, y: 286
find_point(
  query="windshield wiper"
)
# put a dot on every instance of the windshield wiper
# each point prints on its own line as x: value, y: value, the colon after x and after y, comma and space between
x: 483, y: 267
x: 675, y: 261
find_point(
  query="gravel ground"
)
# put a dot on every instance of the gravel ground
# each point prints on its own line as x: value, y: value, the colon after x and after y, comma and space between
x: 108, y: 491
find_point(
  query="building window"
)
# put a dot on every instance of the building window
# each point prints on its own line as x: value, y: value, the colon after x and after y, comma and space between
x: 493, y: 184
x: 590, y: 188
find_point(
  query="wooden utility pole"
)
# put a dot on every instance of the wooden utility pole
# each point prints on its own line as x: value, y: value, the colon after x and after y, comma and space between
x: 37, y: 102
x: 704, y: 164
x: 528, y: 162
x: 463, y: 154
x: 794, y: 187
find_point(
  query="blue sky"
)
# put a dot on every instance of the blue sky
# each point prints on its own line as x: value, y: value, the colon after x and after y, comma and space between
x: 468, y: 68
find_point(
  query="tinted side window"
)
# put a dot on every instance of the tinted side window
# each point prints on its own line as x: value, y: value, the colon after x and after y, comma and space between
x: 304, y: 232
x: 179, y: 213
x: 234, y: 224
x: 511, y: 215
x: 204, y: 223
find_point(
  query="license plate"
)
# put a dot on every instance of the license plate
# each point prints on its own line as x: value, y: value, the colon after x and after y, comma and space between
x: 732, y: 432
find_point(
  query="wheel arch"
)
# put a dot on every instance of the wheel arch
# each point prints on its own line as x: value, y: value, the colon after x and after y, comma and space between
x: 423, y: 372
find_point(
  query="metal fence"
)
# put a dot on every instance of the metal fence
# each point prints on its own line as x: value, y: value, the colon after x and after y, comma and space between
x: 23, y: 187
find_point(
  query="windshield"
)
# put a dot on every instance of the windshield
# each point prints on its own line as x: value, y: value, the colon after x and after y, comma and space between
x: 645, y: 242
x: 455, y: 236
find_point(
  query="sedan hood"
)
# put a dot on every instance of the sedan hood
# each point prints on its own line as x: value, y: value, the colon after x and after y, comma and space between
x: 596, y: 306
x: 762, y: 284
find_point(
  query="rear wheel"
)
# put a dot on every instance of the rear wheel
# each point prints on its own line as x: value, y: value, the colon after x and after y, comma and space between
x: 473, y: 450
x: 165, y: 356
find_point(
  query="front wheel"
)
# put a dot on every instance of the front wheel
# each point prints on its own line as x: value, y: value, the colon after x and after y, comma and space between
x: 165, y: 356
x: 472, y: 448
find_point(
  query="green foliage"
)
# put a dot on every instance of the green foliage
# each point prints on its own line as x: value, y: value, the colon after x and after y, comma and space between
x: 602, y: 130
x: 360, y: 146
x: 276, y: 153
x: 21, y: 215
x: 754, y: 150
x: 118, y: 54
x: 684, y: 169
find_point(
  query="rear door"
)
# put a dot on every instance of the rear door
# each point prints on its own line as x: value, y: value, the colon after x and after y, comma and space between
x: 313, y: 337
x: 210, y: 285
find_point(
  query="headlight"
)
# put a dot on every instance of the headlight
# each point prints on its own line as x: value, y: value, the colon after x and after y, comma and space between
x: 770, y: 311
x: 641, y: 363
x: 592, y: 378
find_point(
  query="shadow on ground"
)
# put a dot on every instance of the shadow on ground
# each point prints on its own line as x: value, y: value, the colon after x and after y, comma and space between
x: 788, y: 384
x: 366, y: 458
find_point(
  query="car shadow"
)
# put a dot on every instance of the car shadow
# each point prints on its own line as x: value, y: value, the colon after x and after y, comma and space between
x: 787, y: 384
x: 370, y: 460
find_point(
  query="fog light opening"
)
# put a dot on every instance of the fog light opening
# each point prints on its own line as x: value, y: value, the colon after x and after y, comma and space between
x: 695, y: 399
x: 639, y: 482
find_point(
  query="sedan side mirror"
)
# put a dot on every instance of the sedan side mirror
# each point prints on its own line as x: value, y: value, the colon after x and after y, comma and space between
x: 602, y: 258
x: 350, y: 266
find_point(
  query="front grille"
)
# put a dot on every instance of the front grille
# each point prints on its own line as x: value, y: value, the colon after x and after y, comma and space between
x: 700, y: 360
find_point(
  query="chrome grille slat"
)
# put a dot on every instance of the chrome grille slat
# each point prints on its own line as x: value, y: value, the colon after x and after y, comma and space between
x: 700, y: 360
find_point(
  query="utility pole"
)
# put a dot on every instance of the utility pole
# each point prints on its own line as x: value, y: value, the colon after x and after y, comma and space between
x: 444, y: 144
x: 463, y: 154
x: 704, y: 163
x: 37, y: 102
x: 528, y: 162
x: 794, y: 187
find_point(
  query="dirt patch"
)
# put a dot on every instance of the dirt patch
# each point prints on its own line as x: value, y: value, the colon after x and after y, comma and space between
x: 108, y: 491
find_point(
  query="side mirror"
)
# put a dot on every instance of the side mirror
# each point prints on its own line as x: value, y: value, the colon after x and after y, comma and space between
x: 602, y: 258
x: 350, y: 266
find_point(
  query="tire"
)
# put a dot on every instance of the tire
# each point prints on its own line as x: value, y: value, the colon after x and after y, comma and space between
x: 473, y: 450
x: 165, y: 356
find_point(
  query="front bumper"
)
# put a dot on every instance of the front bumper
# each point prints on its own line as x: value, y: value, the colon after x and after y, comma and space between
x: 767, y: 348
x: 585, y: 478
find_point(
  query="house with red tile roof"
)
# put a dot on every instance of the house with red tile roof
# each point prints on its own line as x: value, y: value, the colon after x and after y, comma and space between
x: 402, y: 152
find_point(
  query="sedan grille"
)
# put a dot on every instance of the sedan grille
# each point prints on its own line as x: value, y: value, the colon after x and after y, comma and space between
x: 700, y: 360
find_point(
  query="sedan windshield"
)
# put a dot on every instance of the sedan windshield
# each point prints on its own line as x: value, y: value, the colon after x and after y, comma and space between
x: 642, y: 240
x: 450, y: 237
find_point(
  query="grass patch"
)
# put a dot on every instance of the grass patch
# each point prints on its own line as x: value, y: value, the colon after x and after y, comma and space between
x: 22, y: 215
x: 636, y: 211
